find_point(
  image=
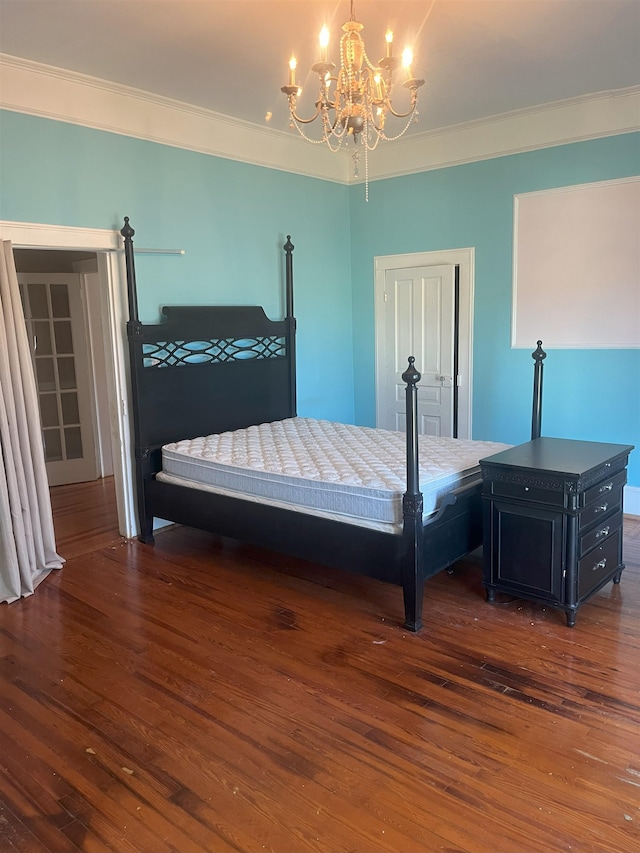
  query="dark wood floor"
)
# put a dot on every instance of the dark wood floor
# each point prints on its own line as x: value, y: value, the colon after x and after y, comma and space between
x: 190, y: 697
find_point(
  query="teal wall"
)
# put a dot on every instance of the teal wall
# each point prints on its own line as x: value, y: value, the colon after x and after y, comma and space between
x: 231, y: 219
x: 588, y: 394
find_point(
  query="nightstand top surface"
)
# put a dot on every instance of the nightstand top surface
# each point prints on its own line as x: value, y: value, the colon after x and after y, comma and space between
x: 558, y: 455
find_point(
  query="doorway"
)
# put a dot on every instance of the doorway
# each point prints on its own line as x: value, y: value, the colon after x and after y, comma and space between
x: 60, y: 297
x: 424, y: 301
x: 105, y: 246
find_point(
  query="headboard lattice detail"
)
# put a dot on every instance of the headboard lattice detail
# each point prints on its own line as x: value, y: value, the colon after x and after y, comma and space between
x: 212, y: 351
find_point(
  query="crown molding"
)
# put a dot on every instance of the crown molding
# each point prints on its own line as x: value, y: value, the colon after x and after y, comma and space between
x: 574, y: 120
x: 45, y: 91
x: 42, y: 90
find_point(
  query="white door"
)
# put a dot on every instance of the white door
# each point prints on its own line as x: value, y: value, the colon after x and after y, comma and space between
x: 55, y: 319
x: 418, y: 319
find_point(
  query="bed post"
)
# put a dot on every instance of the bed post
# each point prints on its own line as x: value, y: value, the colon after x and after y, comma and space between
x: 291, y: 323
x: 134, y: 336
x: 413, y: 529
x: 132, y: 292
x: 536, y: 413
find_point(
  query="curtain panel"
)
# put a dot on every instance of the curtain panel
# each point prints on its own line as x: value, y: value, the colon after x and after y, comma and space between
x: 27, y: 541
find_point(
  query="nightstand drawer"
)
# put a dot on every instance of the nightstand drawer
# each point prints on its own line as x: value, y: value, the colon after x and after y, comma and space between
x: 605, y: 504
x: 605, y: 489
x: 594, y: 537
x: 535, y: 494
x: 599, y: 563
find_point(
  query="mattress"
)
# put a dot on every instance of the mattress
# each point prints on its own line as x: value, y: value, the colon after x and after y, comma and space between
x: 357, y: 474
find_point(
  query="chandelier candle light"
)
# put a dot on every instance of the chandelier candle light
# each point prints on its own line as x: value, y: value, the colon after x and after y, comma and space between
x: 354, y: 100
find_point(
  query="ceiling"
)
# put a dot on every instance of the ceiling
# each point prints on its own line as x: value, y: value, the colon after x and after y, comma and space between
x: 479, y: 58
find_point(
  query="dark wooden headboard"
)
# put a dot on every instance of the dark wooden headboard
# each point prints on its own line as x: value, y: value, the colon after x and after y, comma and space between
x: 207, y: 369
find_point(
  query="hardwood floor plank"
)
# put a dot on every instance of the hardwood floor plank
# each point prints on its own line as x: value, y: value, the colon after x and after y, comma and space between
x: 85, y: 517
x: 200, y: 695
x: 15, y: 836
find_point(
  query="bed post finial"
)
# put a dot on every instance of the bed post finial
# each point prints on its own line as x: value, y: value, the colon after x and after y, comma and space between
x: 132, y: 293
x: 411, y: 375
x: 127, y: 231
x: 538, y: 355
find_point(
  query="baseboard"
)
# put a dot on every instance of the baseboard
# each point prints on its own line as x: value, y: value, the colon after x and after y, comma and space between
x: 632, y: 500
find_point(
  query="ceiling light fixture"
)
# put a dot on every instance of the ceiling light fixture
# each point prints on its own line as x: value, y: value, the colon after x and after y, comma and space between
x: 354, y: 100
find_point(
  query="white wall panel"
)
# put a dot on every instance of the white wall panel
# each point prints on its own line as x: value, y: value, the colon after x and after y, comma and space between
x: 577, y: 266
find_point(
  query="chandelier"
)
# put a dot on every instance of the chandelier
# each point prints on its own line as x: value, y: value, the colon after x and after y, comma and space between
x: 354, y: 100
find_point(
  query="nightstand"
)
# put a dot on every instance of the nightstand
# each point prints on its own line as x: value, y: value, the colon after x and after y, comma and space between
x: 552, y: 516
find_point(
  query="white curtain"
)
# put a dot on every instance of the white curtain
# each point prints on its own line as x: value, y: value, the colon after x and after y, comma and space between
x: 27, y: 542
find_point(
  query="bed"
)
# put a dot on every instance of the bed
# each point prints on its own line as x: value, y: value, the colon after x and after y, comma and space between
x: 214, y: 390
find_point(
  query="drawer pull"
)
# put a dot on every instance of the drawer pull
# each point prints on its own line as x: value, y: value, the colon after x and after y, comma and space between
x: 605, y: 488
x: 603, y: 532
x: 600, y: 565
x: 602, y: 508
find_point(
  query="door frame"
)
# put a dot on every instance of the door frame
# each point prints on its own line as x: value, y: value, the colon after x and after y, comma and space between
x: 464, y: 259
x: 107, y: 245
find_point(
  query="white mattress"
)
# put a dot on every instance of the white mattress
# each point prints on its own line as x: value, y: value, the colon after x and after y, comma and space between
x: 357, y: 474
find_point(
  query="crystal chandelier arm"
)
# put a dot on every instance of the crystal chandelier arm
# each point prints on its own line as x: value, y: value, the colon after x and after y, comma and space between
x: 415, y: 84
x: 324, y: 102
x: 294, y: 115
x: 291, y: 92
x: 401, y: 115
